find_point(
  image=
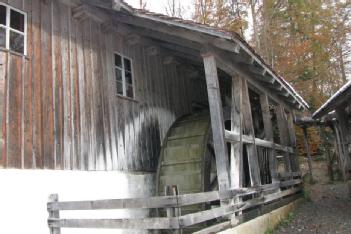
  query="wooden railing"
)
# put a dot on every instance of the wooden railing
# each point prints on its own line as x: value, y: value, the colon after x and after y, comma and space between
x: 174, y: 221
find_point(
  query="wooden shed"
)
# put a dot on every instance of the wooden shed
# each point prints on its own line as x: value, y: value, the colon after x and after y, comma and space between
x: 96, y: 85
x: 337, y: 110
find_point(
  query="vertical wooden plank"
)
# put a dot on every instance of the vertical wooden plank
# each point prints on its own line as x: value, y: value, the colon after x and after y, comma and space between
x: 236, y: 154
x: 74, y: 102
x: 14, y: 138
x: 84, y: 132
x: 3, y: 95
x: 47, y: 78
x: 249, y: 130
x: 148, y: 108
x: 268, y: 129
x: 37, y: 87
x: 104, y: 83
x: 89, y: 94
x: 217, y: 121
x: 27, y: 95
x: 57, y: 86
x: 98, y: 136
x: 66, y: 97
x: 284, y: 134
x: 152, y: 105
x: 142, y: 93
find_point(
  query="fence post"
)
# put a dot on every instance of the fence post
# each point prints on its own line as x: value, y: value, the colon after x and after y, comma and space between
x: 172, y: 211
x: 53, y: 214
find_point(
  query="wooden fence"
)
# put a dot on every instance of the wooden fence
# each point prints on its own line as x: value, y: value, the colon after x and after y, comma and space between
x: 261, y: 195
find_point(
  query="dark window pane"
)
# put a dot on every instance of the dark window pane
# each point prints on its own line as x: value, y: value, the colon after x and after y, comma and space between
x: 2, y: 15
x: 129, y: 79
x: 16, y: 42
x: 2, y: 37
x: 118, y: 75
x: 127, y: 65
x: 17, y: 21
x: 120, y: 88
x: 130, y: 91
x: 118, y: 61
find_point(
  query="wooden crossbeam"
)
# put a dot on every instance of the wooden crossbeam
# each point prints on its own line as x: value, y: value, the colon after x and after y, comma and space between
x: 231, y: 137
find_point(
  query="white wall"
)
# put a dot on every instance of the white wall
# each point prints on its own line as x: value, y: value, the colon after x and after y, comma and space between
x: 24, y: 194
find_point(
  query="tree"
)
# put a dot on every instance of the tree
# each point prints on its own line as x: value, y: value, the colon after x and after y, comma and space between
x: 174, y: 8
x: 142, y: 4
x: 225, y: 14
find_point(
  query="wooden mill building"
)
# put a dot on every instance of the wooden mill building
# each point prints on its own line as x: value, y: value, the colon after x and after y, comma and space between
x: 337, y: 110
x: 96, y: 87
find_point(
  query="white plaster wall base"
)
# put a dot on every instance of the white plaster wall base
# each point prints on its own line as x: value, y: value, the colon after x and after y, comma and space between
x: 24, y: 194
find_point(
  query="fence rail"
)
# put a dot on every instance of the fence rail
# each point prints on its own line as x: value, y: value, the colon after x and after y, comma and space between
x: 262, y: 195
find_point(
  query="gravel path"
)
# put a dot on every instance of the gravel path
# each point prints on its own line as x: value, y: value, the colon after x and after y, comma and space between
x: 329, y: 211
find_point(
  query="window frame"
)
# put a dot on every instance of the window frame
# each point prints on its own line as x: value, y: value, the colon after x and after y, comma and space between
x: 123, y: 69
x: 8, y: 28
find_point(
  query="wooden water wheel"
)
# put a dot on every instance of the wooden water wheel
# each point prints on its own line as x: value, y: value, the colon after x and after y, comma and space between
x: 187, y: 159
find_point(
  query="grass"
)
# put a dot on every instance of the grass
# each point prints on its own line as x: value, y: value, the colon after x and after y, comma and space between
x: 284, y: 222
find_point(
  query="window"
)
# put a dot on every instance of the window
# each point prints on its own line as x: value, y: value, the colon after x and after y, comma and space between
x: 124, y: 76
x: 13, y: 25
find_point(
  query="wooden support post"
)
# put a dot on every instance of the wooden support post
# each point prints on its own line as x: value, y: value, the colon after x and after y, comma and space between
x: 236, y: 150
x: 345, y: 130
x: 248, y: 129
x: 294, y: 160
x: 54, y: 214
x: 268, y: 129
x: 307, y: 147
x: 217, y: 122
x: 283, y: 134
x: 236, y: 154
x: 340, y: 149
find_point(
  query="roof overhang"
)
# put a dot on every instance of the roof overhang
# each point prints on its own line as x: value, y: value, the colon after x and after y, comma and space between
x: 229, y: 46
x: 342, y: 96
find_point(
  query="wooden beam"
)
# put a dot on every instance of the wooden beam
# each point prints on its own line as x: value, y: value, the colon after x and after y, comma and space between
x: 340, y: 149
x: 268, y: 130
x: 236, y: 154
x: 217, y: 122
x: 227, y: 64
x: 188, y: 32
x: 283, y: 134
x: 292, y: 136
x: 345, y: 138
x: 249, y: 130
x: 231, y: 137
x: 141, y: 224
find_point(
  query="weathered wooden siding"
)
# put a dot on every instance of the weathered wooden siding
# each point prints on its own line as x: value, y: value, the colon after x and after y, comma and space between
x: 59, y: 104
